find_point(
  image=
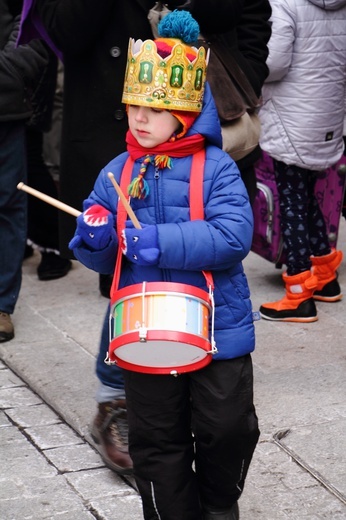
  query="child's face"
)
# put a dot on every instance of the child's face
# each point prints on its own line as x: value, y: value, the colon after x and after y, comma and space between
x: 151, y: 126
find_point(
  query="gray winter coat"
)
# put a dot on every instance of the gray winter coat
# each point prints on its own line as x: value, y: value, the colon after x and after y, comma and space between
x: 304, y: 96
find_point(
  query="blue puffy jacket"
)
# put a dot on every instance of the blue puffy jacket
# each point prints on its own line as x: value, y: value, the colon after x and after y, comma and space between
x: 219, y: 243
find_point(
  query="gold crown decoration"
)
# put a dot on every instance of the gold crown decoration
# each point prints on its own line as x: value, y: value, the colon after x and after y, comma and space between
x: 173, y: 82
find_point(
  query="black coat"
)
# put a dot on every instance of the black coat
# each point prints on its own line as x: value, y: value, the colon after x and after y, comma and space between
x: 20, y: 67
x: 93, y: 37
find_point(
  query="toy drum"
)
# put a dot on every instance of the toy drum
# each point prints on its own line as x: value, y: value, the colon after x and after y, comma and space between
x: 160, y: 328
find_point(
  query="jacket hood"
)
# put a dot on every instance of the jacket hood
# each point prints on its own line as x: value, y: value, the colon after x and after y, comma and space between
x: 207, y: 123
x: 329, y: 5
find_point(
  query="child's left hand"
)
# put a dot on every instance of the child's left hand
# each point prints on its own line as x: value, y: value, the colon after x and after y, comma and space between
x: 140, y: 246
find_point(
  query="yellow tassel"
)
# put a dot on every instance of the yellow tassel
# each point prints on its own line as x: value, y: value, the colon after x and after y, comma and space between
x: 138, y: 188
x: 163, y: 161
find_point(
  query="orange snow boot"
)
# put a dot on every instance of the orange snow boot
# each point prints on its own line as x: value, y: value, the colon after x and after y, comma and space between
x: 324, y: 267
x: 297, y: 304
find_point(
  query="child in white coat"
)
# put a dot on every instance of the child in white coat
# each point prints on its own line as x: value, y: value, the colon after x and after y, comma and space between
x: 302, y: 130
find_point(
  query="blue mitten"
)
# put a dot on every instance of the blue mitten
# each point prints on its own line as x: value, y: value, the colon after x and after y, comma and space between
x: 95, y: 228
x: 140, y: 246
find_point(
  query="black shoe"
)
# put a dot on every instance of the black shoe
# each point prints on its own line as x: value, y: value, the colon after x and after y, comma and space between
x: 226, y: 514
x: 53, y: 266
x: 331, y: 292
x: 110, y: 432
x: 105, y: 284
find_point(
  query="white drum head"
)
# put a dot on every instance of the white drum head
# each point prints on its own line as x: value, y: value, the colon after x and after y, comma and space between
x: 160, y: 354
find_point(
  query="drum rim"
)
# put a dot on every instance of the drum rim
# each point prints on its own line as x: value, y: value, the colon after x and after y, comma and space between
x: 158, y: 293
x: 144, y: 369
x: 166, y: 371
x: 155, y: 288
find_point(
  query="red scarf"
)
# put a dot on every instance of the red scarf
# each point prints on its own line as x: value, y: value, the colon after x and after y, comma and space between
x: 179, y: 148
x: 160, y: 156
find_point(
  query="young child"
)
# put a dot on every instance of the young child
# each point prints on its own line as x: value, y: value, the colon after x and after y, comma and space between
x: 302, y: 124
x: 206, y: 417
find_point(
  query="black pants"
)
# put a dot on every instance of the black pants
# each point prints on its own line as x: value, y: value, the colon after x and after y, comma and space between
x: 43, y: 224
x: 248, y: 176
x: 206, y: 416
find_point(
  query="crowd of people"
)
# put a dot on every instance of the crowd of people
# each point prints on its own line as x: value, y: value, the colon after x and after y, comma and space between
x: 201, y: 416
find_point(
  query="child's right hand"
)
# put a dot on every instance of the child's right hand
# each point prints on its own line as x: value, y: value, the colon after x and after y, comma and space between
x: 95, y: 228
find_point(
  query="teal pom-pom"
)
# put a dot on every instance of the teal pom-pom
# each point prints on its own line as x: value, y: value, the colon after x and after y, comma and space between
x: 179, y: 24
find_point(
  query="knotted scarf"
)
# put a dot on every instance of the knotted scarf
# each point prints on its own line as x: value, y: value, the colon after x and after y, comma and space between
x: 160, y: 156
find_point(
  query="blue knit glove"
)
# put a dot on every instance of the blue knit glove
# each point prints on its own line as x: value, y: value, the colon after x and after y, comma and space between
x: 140, y: 246
x: 95, y: 228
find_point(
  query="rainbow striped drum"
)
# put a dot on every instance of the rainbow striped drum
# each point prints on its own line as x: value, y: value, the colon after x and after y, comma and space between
x: 160, y: 328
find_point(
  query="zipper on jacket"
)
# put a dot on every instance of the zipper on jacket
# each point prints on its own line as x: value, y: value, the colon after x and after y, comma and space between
x: 165, y: 274
x: 158, y: 212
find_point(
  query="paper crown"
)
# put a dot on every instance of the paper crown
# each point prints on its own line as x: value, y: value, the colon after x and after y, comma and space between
x: 167, y: 73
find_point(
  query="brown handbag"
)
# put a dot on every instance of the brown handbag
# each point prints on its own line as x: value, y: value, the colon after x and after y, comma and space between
x: 236, y: 101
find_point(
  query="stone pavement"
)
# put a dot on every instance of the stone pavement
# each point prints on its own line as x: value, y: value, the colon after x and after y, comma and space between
x: 49, y: 466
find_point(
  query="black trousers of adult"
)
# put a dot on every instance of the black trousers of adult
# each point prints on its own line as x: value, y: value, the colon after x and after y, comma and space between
x: 43, y: 223
x: 205, y: 417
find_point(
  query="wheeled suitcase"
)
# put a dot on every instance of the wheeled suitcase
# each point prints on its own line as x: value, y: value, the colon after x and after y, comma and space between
x: 267, y: 239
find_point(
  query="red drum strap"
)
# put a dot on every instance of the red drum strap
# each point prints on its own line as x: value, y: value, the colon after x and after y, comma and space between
x: 125, y: 180
x: 196, y: 198
x: 196, y: 207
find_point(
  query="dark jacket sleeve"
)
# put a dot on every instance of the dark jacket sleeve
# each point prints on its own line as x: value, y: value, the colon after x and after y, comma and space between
x: 217, y: 16
x: 253, y: 33
x: 27, y: 60
x: 249, y: 41
x: 20, y: 69
x: 243, y: 25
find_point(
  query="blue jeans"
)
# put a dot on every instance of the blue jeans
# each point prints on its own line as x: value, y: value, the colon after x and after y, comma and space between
x: 12, y: 212
x: 111, y: 377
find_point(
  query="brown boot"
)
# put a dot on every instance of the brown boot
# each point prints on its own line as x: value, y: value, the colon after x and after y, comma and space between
x: 297, y: 304
x: 324, y: 267
x: 109, y: 431
x: 6, y: 327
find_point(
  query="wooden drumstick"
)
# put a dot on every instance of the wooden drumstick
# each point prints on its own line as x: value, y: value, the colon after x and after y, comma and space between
x: 123, y: 199
x: 48, y: 199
